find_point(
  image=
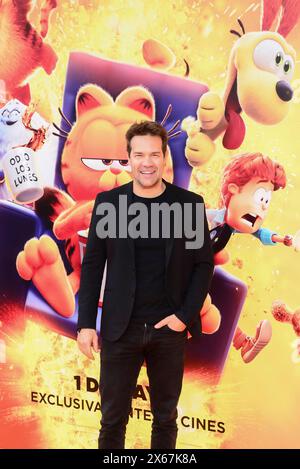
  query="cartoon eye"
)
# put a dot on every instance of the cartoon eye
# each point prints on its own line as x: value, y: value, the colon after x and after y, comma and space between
x: 268, y: 55
x: 103, y: 164
x: 124, y: 165
x: 124, y: 162
x: 278, y: 58
x: 268, y: 197
x: 5, y: 113
x: 98, y: 164
x: 14, y: 115
x: 260, y: 195
x: 287, y: 66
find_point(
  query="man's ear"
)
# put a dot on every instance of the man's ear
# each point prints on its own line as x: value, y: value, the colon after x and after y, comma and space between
x: 233, y: 188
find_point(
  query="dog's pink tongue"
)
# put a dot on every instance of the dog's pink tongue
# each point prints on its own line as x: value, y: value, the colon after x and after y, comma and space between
x: 235, y: 132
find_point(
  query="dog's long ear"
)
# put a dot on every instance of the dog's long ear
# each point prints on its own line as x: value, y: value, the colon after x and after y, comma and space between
x: 288, y: 12
x: 290, y: 16
x: 269, y: 11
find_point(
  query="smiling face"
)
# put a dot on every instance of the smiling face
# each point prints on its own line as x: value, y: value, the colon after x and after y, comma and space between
x: 248, y: 205
x: 147, y: 160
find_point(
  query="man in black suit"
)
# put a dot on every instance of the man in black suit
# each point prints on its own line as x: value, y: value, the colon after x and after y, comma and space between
x: 155, y: 288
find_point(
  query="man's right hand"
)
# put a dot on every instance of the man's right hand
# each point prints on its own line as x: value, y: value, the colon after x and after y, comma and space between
x: 87, y: 341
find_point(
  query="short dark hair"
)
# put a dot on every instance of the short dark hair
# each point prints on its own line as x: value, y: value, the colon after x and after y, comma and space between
x: 147, y: 128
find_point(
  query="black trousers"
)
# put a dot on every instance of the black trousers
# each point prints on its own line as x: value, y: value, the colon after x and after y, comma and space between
x: 163, y: 351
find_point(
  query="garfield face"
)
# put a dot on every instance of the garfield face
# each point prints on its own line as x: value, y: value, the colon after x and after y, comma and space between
x: 94, y: 158
x: 265, y: 65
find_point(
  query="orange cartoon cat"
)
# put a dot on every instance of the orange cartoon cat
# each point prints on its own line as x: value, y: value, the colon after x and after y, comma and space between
x: 94, y: 159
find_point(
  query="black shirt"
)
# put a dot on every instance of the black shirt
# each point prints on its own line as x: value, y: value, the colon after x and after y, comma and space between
x: 151, y: 303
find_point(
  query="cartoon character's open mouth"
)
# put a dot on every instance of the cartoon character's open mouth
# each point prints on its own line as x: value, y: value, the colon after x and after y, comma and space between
x: 250, y: 218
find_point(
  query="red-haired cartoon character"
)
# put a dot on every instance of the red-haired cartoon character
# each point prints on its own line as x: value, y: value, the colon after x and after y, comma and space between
x: 22, y: 48
x: 249, y: 181
x: 94, y: 159
x: 260, y: 69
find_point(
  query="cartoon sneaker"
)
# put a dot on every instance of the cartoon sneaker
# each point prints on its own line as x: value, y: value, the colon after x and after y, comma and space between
x: 251, y: 346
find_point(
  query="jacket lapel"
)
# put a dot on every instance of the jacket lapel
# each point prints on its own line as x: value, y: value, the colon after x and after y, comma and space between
x: 169, y: 241
x: 129, y: 192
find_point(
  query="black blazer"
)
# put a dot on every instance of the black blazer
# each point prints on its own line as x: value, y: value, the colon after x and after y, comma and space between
x: 188, y: 272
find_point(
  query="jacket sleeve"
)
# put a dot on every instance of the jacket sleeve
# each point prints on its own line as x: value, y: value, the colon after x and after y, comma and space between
x: 200, y: 280
x: 92, y: 269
